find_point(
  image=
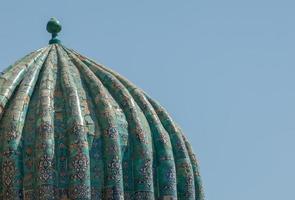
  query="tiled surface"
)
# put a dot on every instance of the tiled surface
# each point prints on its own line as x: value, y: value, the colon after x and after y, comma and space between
x: 74, y: 129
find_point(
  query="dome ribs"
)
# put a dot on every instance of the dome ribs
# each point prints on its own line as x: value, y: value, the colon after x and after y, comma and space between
x: 112, y: 188
x: 95, y: 145
x: 12, y: 125
x: 61, y: 136
x: 78, y: 148
x: 45, y: 176
x: 165, y: 175
x: 141, y: 139
x: 165, y: 168
x: 184, y: 170
x: 28, y: 146
x: 183, y: 158
x: 197, y: 178
x: 12, y: 76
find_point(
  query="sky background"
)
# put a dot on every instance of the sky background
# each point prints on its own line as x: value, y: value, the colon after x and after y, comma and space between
x: 223, y: 69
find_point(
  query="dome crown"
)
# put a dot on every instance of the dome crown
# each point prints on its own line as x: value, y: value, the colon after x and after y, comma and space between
x: 71, y: 128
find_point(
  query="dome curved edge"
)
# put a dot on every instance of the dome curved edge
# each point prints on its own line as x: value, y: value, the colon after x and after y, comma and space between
x: 72, y: 128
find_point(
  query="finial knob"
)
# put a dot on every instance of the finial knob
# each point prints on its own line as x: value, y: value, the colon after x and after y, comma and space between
x: 54, y: 27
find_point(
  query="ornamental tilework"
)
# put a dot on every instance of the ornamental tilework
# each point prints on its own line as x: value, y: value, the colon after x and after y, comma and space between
x: 73, y: 129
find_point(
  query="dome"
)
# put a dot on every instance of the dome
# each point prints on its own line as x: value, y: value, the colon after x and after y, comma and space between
x: 71, y: 128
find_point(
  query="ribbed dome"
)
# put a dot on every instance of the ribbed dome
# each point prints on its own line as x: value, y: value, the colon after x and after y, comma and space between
x: 73, y: 129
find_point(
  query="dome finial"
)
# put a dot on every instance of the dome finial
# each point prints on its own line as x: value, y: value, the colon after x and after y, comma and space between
x: 54, y: 27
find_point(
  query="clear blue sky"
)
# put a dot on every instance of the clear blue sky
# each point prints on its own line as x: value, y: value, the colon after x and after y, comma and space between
x: 223, y: 68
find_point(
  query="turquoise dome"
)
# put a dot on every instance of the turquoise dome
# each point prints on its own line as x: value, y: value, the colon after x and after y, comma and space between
x: 73, y: 129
